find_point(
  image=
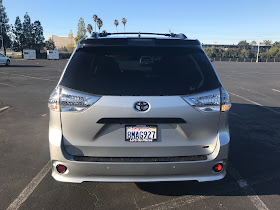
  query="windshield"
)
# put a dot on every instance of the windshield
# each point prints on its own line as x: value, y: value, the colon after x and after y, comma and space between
x: 143, y: 71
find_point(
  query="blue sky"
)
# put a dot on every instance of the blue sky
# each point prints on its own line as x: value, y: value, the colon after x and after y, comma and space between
x: 225, y: 22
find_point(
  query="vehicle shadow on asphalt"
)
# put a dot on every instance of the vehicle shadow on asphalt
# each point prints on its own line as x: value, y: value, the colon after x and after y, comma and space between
x: 254, y: 153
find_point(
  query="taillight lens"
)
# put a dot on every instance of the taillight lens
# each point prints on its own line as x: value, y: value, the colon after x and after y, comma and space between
x: 54, y: 100
x: 70, y: 101
x: 225, y: 100
x: 210, y: 101
x: 218, y: 167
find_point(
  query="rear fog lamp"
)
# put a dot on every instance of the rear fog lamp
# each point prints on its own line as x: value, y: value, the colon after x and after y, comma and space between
x: 218, y: 167
x: 61, y: 168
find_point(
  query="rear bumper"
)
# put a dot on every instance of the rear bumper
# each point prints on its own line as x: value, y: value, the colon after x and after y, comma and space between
x: 78, y: 172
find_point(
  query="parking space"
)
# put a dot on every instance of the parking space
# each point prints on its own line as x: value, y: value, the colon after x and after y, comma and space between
x: 253, y: 179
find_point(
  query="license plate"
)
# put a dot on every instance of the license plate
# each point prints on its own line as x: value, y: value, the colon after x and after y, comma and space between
x: 141, y: 133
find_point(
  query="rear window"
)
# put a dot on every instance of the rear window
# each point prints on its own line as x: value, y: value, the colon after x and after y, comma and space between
x: 145, y: 71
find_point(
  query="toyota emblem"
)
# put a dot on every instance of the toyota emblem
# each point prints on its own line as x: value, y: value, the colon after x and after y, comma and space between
x: 141, y: 106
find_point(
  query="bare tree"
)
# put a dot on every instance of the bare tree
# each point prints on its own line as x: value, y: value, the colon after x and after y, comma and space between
x: 116, y: 23
x: 89, y: 28
x: 95, y: 18
x: 99, y: 23
x: 124, y: 21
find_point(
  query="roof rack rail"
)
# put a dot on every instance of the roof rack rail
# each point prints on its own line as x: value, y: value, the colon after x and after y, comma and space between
x: 181, y: 36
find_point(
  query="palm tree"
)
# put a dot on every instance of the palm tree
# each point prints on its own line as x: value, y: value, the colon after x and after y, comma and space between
x: 95, y: 18
x: 124, y: 20
x: 99, y: 23
x: 116, y: 23
x: 89, y: 29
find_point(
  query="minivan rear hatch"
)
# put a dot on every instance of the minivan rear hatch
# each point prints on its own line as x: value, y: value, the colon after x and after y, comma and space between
x: 122, y: 76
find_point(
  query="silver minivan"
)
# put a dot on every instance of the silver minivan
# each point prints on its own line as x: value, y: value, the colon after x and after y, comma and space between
x: 139, y: 109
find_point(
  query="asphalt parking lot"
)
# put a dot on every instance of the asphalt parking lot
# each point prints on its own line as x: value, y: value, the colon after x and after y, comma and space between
x: 253, y: 180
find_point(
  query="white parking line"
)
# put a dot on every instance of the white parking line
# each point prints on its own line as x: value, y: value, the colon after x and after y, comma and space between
x: 4, y: 108
x: 242, y: 183
x: 30, y: 187
x: 253, y: 102
x: 6, y: 84
x: 247, y: 189
x: 20, y: 75
x: 276, y: 90
x: 254, y: 92
x: 176, y: 202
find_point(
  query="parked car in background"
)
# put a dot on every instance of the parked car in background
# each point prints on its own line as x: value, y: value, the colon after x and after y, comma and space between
x: 4, y: 60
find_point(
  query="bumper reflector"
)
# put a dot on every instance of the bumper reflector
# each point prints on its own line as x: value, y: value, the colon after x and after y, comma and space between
x: 61, y: 168
x: 218, y: 167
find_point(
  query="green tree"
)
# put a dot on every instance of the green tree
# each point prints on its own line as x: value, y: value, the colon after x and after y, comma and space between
x: 276, y: 44
x: 89, y: 29
x: 70, y: 35
x: 70, y: 47
x: 5, y: 28
x: 232, y: 53
x: 95, y: 18
x: 81, y: 33
x: 27, y: 32
x: 243, y: 45
x: 213, y: 52
x: 37, y: 36
x: 49, y: 45
x: 116, y: 23
x: 18, y: 37
x: 253, y: 43
x: 267, y: 42
x: 104, y: 32
x: 71, y: 44
x: 273, y: 52
x: 244, y: 53
x: 209, y: 52
x: 124, y: 21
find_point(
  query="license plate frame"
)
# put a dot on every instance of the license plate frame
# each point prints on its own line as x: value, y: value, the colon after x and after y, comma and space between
x: 139, y: 129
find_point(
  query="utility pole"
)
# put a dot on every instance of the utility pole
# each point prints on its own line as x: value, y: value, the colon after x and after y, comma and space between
x: 258, y: 51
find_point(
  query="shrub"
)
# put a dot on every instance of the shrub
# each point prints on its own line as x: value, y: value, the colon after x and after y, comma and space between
x: 64, y: 55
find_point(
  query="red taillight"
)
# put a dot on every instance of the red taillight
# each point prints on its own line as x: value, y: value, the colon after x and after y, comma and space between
x: 61, y: 168
x: 63, y: 100
x: 205, y: 102
x: 54, y: 100
x: 225, y: 100
x: 218, y: 167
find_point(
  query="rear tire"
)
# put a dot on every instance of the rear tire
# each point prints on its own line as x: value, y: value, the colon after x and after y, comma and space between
x: 8, y: 62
